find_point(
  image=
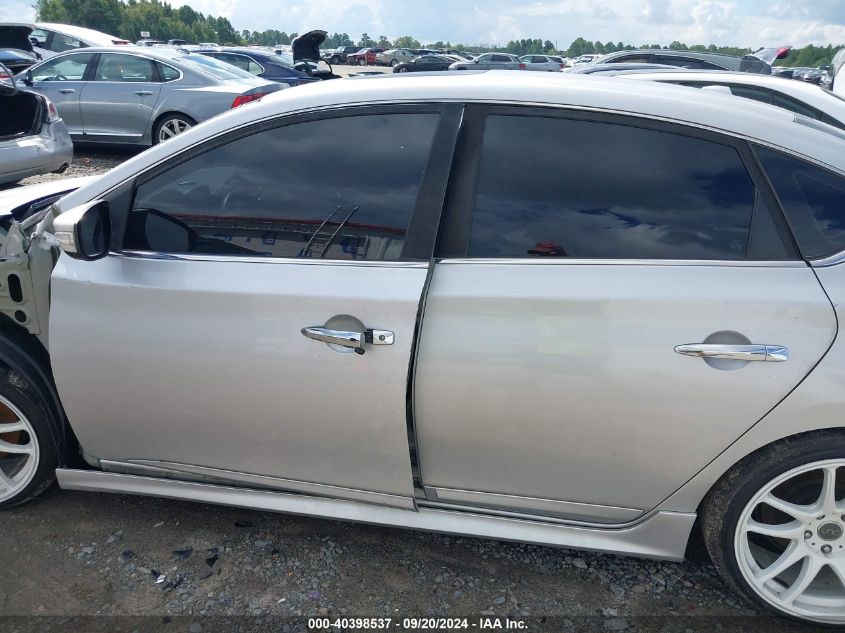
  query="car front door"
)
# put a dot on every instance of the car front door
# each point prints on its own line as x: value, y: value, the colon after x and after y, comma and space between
x: 484, y: 61
x: 240, y: 276
x: 562, y: 366
x: 61, y: 80
x: 119, y: 100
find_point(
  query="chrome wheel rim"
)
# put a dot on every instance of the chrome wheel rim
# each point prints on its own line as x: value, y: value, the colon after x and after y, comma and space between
x: 790, y: 542
x: 171, y: 128
x: 18, y: 451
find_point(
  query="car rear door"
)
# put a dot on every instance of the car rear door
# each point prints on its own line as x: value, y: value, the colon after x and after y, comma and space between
x: 61, y: 80
x: 119, y: 100
x: 219, y: 333
x: 563, y: 364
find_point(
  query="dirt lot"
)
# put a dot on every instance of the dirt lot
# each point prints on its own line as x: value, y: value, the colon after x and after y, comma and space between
x: 176, y: 566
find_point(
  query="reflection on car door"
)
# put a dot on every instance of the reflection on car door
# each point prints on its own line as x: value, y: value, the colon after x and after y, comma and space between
x: 584, y: 409
x: 119, y: 100
x: 61, y: 80
x: 227, y: 257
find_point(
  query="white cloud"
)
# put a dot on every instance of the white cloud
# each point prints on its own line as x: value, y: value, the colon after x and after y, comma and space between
x: 749, y: 23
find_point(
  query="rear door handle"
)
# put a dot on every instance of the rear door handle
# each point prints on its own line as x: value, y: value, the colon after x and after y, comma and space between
x: 344, y: 338
x: 765, y: 353
x: 144, y: 93
x: 67, y: 91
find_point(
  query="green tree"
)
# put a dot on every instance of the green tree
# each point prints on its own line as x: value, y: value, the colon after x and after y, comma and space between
x: 406, y: 41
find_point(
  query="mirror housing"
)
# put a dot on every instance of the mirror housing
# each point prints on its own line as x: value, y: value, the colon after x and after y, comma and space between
x: 84, y: 232
x: 27, y: 78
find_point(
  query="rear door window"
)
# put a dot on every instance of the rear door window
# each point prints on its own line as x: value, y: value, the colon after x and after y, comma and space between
x: 612, y: 191
x: 813, y: 200
x: 125, y: 68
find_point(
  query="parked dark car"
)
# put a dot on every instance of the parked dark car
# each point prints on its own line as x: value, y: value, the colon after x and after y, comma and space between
x: 338, y: 55
x: 590, y: 69
x: 425, y: 63
x: 16, y: 48
x: 305, y: 51
x: 265, y: 65
x: 814, y: 76
x: 759, y: 61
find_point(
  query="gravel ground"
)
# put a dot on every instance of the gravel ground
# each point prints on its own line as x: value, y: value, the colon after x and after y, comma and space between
x: 193, y: 565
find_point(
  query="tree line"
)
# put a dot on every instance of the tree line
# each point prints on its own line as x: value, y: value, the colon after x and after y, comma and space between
x: 163, y: 22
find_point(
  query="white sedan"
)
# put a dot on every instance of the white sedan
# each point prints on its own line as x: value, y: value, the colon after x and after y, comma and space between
x: 797, y: 96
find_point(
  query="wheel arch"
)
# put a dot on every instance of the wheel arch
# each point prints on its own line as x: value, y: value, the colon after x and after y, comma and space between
x: 22, y: 354
x: 160, y: 116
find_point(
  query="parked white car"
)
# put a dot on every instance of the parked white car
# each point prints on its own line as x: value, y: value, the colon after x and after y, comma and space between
x: 601, y: 362
x: 796, y: 96
x: 49, y: 38
x: 394, y: 57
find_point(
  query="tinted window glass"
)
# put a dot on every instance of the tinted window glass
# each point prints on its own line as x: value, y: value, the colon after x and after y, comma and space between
x: 782, y: 101
x: 270, y: 194
x: 756, y: 94
x: 128, y: 68
x: 685, y: 62
x: 813, y: 200
x: 60, y: 43
x: 168, y: 73
x: 70, y: 68
x: 831, y: 121
x: 607, y: 191
x: 501, y: 58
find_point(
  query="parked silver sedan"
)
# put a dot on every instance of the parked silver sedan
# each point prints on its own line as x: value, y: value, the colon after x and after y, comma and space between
x: 33, y: 138
x: 543, y: 63
x: 458, y: 341
x: 490, y: 61
x: 140, y: 96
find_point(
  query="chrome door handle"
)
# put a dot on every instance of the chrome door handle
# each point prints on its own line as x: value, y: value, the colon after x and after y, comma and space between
x: 353, y: 340
x: 144, y: 93
x: 765, y: 353
x: 67, y: 91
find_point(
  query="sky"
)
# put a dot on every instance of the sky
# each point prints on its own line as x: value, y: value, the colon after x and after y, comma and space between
x: 748, y: 23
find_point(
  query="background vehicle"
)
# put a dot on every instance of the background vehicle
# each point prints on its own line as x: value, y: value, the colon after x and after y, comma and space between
x: 305, y: 52
x: 815, y: 75
x: 140, y: 95
x: 33, y: 139
x: 758, y: 62
x: 543, y: 63
x: 338, y: 55
x: 16, y: 52
x: 490, y: 61
x: 50, y: 38
x: 798, y: 97
x: 394, y: 56
x: 612, y: 69
x: 364, y: 57
x: 425, y: 63
x: 148, y: 42
x: 259, y: 63
x: 585, y: 59
x: 176, y: 42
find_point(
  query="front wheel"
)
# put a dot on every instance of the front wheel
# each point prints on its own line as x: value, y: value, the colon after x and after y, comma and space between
x: 394, y: 62
x: 171, y: 125
x: 775, y: 528
x: 362, y: 62
x: 28, y: 456
x: 402, y: 70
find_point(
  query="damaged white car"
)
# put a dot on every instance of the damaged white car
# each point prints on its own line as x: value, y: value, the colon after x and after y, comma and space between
x: 457, y: 341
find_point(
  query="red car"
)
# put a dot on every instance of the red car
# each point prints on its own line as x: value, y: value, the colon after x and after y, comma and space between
x: 364, y: 57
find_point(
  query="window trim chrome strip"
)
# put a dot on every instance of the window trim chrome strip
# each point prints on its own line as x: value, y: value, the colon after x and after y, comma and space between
x: 510, y: 261
x: 151, y: 255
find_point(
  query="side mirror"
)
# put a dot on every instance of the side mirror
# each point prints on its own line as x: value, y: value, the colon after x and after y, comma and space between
x: 27, y: 78
x: 83, y: 232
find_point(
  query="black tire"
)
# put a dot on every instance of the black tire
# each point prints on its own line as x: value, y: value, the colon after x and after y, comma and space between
x: 402, y: 70
x: 334, y: 59
x: 168, y: 118
x: 394, y: 62
x: 23, y: 392
x: 724, y: 504
x: 362, y: 61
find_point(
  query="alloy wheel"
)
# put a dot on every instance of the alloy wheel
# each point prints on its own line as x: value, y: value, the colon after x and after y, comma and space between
x: 790, y: 542
x: 19, y: 452
x: 171, y: 128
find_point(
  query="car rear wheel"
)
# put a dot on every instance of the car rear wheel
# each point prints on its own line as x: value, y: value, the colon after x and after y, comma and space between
x: 27, y: 453
x: 394, y: 62
x: 775, y: 528
x: 172, y: 125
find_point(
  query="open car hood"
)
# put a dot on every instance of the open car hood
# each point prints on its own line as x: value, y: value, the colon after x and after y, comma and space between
x: 760, y: 61
x: 306, y: 47
x: 16, y: 37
